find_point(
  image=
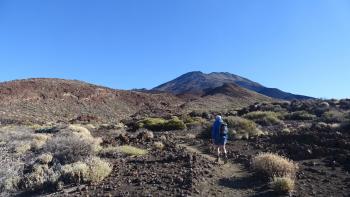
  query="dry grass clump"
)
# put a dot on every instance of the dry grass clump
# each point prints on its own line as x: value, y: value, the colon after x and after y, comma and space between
x: 92, y: 170
x: 286, y: 131
x: 98, y: 169
x: 22, y: 148
x: 45, y: 158
x: 131, y: 150
x: 159, y: 145
x: 109, y: 151
x: 265, y: 118
x: 79, y: 130
x: 274, y: 165
x: 9, y: 184
x: 40, y: 177
x: 75, y: 172
x: 282, y: 184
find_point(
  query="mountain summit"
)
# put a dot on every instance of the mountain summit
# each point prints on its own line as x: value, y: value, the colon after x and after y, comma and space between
x: 198, y: 82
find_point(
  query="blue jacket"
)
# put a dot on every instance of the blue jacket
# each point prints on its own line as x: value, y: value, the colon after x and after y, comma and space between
x: 215, y: 132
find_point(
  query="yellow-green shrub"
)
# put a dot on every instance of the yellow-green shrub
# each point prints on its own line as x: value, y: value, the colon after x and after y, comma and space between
x: 265, y: 118
x: 131, y: 150
x: 159, y: 124
x: 158, y: 145
x: 93, y: 170
x: 241, y: 126
x: 300, y: 115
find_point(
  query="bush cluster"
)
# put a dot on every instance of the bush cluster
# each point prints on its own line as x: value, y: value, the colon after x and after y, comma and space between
x: 160, y: 124
x: 280, y: 170
x: 282, y: 184
x: 242, y: 127
x: 273, y: 165
x: 47, y: 161
x: 301, y: 115
x: 265, y: 118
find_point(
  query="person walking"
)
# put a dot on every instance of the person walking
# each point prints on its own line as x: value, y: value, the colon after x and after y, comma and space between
x: 219, y: 137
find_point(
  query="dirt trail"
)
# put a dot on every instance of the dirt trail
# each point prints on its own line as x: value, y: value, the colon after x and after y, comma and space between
x: 228, y: 179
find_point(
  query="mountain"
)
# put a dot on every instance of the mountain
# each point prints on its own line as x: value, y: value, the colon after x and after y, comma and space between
x: 229, y: 96
x: 43, y: 99
x: 197, y: 82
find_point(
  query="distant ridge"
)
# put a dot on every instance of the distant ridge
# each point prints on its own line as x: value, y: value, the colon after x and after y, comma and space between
x: 197, y: 82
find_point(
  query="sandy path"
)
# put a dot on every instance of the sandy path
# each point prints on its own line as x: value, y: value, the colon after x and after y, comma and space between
x: 227, y: 180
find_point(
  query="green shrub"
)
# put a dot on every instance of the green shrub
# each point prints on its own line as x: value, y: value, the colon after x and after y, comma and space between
x: 242, y: 127
x: 205, y: 131
x: 154, y: 124
x: 333, y: 116
x: 345, y: 126
x: 174, y: 124
x: 159, y: 124
x: 131, y: 151
x: 193, y: 122
x: 265, y: 118
x: 301, y: 115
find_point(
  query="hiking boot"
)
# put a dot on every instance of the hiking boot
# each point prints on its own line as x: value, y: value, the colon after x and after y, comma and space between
x: 218, y: 159
x: 225, y: 159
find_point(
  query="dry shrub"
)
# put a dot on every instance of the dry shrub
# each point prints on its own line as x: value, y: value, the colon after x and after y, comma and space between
x: 159, y: 145
x: 80, y: 130
x: 10, y: 184
x: 69, y: 148
x: 145, y: 134
x: 93, y: 170
x: 286, y: 130
x: 41, y: 177
x: 45, y: 158
x: 39, y: 141
x: 131, y: 151
x: 274, y: 165
x: 190, y: 136
x: 22, y: 147
x: 282, y: 184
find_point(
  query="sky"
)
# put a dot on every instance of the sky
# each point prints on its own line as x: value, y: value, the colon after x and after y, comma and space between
x: 298, y: 46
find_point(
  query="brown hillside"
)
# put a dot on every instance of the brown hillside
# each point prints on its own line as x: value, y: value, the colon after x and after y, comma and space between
x: 43, y: 100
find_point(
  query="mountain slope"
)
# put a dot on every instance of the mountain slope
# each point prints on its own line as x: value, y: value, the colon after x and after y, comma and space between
x: 229, y: 96
x: 41, y: 100
x: 196, y: 83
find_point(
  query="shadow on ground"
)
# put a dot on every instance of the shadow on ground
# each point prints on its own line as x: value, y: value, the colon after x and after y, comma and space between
x: 249, y: 182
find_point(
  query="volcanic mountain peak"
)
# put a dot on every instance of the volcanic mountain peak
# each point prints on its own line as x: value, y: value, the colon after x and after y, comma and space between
x: 197, y: 82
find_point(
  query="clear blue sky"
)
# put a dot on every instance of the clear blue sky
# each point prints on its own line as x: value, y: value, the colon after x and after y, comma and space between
x: 300, y: 46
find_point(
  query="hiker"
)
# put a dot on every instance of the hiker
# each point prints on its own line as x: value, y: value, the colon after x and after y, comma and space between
x: 219, y: 136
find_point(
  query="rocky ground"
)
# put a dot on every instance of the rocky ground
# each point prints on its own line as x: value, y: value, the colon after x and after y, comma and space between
x: 186, y: 165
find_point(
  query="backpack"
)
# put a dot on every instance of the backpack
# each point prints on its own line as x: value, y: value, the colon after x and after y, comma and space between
x: 223, y: 129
